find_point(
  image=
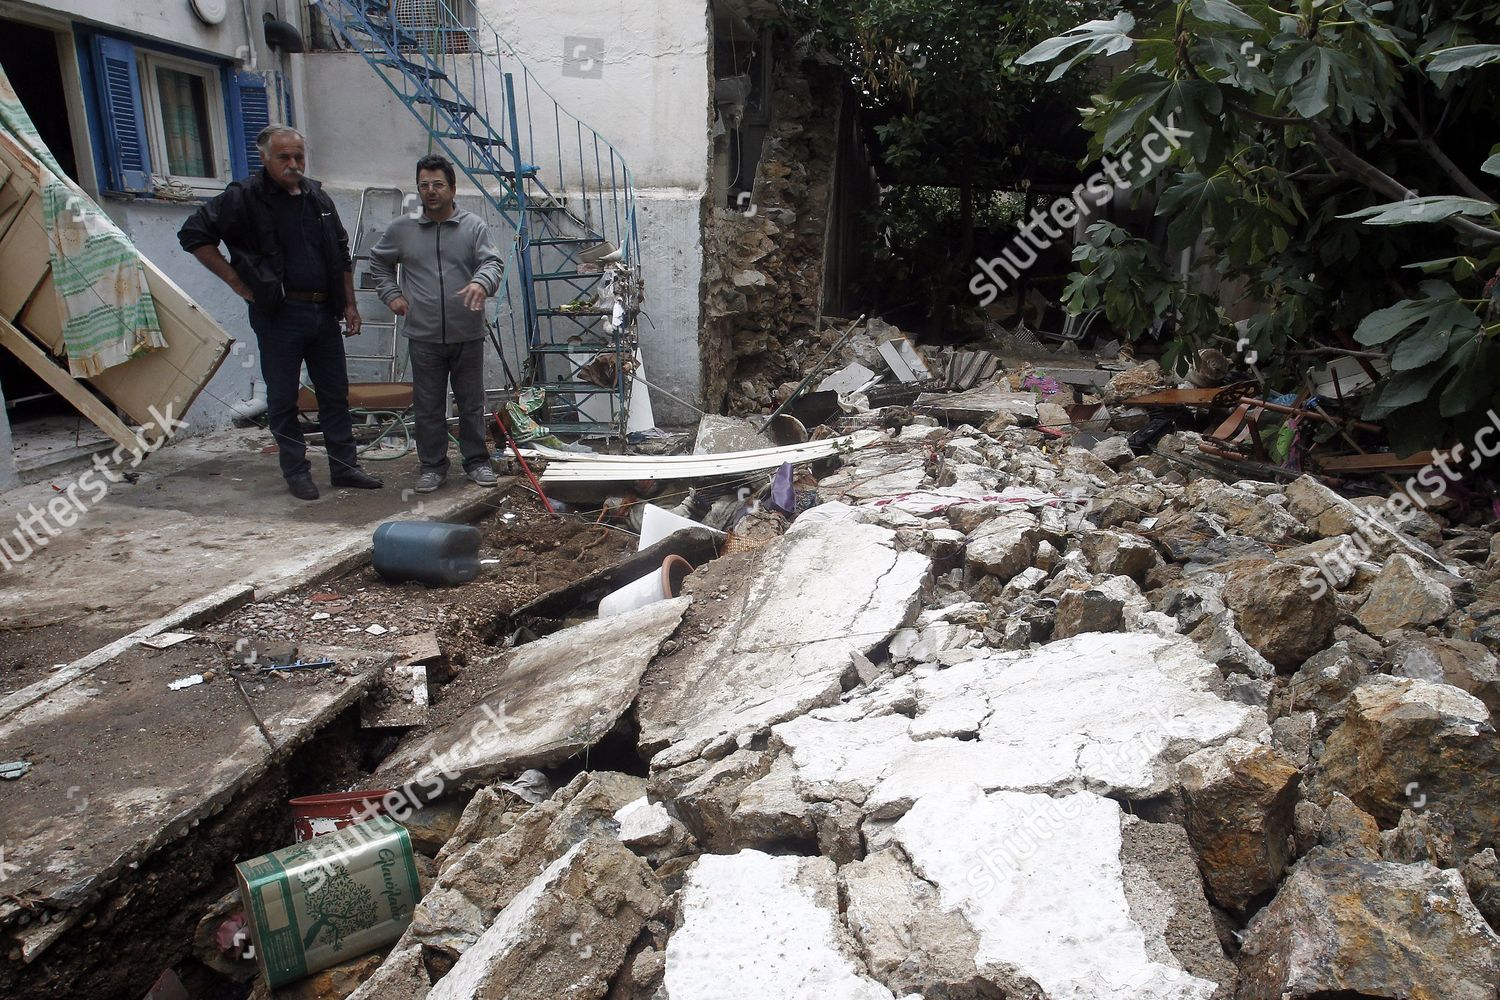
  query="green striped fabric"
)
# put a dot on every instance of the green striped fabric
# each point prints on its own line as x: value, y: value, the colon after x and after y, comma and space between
x: 108, y: 313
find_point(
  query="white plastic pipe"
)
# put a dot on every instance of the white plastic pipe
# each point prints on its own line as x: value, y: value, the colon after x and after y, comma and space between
x: 255, y: 406
x: 658, y: 585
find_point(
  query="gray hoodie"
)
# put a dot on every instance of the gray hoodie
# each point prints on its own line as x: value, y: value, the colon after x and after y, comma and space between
x: 437, y: 261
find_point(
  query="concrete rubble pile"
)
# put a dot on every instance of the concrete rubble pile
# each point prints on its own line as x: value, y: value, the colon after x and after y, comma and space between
x: 1004, y: 717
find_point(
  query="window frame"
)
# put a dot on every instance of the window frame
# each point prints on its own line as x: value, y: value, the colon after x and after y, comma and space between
x: 238, y: 95
x: 148, y: 61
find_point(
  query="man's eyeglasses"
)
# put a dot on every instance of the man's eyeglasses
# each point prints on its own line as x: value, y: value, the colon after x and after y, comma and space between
x: 433, y: 186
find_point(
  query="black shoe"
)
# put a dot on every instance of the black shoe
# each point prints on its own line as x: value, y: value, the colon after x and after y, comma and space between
x: 302, y: 487
x: 356, y: 478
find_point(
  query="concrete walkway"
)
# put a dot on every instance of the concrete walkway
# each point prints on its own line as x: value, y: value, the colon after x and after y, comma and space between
x: 121, y: 764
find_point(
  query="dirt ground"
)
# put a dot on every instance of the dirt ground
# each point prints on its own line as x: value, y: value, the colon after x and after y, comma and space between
x: 537, y: 552
x: 31, y: 650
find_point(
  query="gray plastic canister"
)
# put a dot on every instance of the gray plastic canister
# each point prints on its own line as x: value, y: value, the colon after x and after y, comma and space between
x: 430, y: 552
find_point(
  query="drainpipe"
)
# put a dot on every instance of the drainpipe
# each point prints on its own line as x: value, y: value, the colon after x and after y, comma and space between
x: 255, y: 406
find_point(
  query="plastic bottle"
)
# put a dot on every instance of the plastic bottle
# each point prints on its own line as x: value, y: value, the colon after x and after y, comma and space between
x: 430, y: 552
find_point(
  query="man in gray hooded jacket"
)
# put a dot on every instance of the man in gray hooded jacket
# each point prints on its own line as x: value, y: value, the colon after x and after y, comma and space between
x: 449, y: 267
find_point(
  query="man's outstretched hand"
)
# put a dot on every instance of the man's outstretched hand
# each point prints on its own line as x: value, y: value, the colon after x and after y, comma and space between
x: 473, y: 296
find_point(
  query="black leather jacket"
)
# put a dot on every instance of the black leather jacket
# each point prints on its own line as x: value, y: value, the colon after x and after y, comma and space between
x: 241, y: 218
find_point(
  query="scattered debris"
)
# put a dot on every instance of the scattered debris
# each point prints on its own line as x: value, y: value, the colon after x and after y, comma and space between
x: 14, y: 769
x: 186, y: 682
x: 166, y: 640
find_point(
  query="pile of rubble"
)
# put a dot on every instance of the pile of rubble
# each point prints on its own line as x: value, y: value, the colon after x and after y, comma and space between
x: 1001, y: 717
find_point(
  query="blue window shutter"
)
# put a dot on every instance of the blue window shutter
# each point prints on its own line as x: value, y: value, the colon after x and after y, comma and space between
x: 126, y: 152
x: 249, y: 112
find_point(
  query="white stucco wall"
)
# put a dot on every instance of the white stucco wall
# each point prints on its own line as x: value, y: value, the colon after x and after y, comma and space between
x: 170, y: 21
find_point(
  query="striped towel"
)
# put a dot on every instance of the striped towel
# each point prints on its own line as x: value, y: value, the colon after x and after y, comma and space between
x: 109, y: 316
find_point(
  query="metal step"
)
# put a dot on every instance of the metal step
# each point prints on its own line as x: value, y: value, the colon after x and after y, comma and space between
x: 568, y: 276
x: 555, y: 240
x: 415, y: 69
x: 582, y: 427
x: 575, y: 313
x: 602, y: 348
x: 579, y: 388
x: 456, y: 107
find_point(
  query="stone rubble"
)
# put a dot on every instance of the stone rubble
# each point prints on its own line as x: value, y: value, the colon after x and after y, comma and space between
x: 1015, y: 719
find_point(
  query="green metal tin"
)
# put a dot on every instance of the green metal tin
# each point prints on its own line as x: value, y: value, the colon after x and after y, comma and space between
x: 329, y: 899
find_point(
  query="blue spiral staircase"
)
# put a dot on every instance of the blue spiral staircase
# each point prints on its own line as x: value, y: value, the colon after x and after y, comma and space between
x: 572, y: 289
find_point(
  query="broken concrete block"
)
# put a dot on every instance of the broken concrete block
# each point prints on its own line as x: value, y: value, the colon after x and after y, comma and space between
x: 1285, y: 621
x: 1113, y: 712
x: 1227, y: 649
x: 790, y: 648
x: 565, y: 934
x: 908, y: 940
x: 484, y: 867
x: 1114, y: 452
x: 1349, y: 831
x: 1419, y: 837
x: 1119, y: 553
x: 1091, y: 610
x: 1323, y: 684
x: 1004, y: 545
x: 1468, y: 666
x: 648, y: 829
x: 556, y: 698
x: 724, y: 435
x: 850, y: 378
x: 1345, y: 927
x: 754, y: 926
x: 398, y: 699
x: 1404, y: 595
x: 1240, y: 798
x: 1406, y: 744
x: 1042, y: 882
x: 1482, y: 876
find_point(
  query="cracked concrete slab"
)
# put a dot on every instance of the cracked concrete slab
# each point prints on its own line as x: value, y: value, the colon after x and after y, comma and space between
x: 556, y: 697
x: 1111, y: 713
x: 1040, y: 879
x: 783, y: 642
x: 755, y: 926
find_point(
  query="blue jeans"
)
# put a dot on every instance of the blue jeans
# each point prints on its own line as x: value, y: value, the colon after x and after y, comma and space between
x: 294, y: 334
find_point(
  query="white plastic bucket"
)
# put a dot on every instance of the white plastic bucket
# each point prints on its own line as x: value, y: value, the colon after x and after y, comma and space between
x: 659, y: 585
x: 657, y: 523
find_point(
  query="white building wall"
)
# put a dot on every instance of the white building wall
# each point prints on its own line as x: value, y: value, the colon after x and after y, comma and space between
x: 647, y: 94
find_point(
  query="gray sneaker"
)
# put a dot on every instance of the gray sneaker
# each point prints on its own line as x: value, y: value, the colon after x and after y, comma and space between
x: 427, y: 482
x: 482, y: 475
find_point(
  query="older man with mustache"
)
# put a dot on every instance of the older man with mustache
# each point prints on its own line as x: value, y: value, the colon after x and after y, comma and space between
x: 289, y: 259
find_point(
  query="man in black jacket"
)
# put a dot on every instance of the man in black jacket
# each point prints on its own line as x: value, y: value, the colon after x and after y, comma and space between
x: 289, y: 259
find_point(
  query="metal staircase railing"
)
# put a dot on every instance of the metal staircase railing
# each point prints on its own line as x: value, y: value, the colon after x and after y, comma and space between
x: 569, y: 199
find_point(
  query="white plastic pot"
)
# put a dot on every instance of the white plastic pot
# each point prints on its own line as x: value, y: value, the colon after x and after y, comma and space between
x: 661, y: 585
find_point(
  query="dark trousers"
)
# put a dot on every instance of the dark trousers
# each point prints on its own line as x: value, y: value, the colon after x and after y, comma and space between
x: 294, y: 334
x: 433, y: 367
